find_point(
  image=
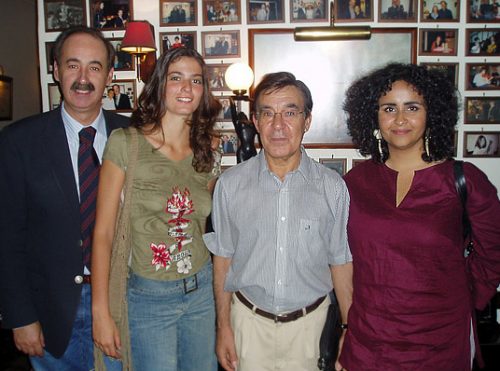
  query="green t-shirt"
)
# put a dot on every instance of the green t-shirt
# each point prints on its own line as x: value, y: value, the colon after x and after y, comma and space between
x: 169, y: 207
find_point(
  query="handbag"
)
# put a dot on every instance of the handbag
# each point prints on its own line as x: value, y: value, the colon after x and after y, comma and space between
x: 461, y: 186
x: 330, y: 337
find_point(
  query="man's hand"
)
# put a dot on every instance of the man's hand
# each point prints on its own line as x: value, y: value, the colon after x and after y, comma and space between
x: 29, y: 339
x: 225, y: 349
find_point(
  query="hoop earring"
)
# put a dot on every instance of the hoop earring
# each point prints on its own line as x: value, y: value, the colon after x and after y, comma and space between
x: 378, y: 137
x: 426, y: 143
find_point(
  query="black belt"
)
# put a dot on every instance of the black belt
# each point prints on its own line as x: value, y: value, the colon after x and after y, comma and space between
x: 287, y: 317
x: 86, y: 279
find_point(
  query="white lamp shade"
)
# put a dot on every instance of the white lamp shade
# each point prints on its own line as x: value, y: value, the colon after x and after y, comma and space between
x: 239, y: 76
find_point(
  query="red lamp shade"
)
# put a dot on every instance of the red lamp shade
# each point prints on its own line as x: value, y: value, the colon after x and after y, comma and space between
x: 138, y: 38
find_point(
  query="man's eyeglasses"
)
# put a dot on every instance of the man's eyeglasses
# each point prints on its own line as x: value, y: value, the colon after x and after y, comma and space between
x: 267, y: 116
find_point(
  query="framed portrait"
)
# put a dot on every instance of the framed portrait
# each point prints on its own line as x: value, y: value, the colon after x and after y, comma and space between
x: 49, y: 58
x: 120, y: 95
x: 397, y: 11
x: 482, y: 110
x: 438, y: 42
x: 482, y: 76
x: 353, y: 11
x: 357, y: 161
x: 339, y: 63
x: 5, y: 97
x: 337, y: 164
x: 439, y: 11
x: 225, y: 113
x: 216, y: 74
x: 62, y: 14
x: 482, y: 41
x: 220, y: 12
x: 110, y: 14
x: 265, y: 11
x: 55, y: 97
x: 229, y: 142
x: 170, y: 40
x: 221, y: 44
x: 481, y: 144
x: 308, y: 10
x: 178, y: 13
x: 482, y: 11
x: 123, y: 60
x: 450, y: 69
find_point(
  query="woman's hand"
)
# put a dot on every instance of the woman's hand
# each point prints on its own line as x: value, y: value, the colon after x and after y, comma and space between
x: 106, y: 335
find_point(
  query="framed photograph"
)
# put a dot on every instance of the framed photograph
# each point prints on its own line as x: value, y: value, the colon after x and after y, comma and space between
x: 438, y: 42
x: 482, y: 76
x: 123, y: 60
x: 339, y: 63
x: 62, y: 14
x: 178, y: 13
x: 337, y: 164
x: 265, y: 11
x: 482, y: 41
x: 170, y: 40
x: 5, y: 97
x: 440, y: 11
x: 110, y: 14
x: 120, y: 96
x: 482, y: 110
x: 49, y: 57
x: 455, y: 143
x: 220, y: 12
x: 225, y: 113
x: 451, y: 69
x: 353, y: 11
x: 229, y: 142
x: 55, y: 97
x: 308, y: 10
x: 482, y: 11
x: 221, y: 44
x: 481, y: 144
x: 397, y: 11
x: 216, y: 73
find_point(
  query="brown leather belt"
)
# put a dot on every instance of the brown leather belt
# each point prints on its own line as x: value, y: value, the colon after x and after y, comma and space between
x: 86, y: 279
x: 287, y: 317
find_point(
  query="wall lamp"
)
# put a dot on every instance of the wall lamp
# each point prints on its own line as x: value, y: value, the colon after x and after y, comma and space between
x: 139, y: 41
x: 239, y: 77
x: 332, y: 32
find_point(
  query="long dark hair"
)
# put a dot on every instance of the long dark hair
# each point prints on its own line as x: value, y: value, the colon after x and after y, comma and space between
x: 152, y: 107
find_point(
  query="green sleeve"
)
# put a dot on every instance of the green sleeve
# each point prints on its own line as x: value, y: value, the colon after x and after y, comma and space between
x: 116, y: 148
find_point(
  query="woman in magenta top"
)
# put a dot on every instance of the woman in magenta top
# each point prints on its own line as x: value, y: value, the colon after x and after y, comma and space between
x: 412, y: 304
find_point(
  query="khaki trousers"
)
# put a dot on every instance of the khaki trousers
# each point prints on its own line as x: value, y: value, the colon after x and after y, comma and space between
x: 263, y: 345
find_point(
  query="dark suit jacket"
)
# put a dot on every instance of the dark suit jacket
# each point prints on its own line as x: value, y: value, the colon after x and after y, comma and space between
x: 40, y: 252
x: 123, y: 102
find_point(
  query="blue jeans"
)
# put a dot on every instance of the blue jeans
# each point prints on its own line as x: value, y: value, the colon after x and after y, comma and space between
x: 172, y: 323
x: 79, y: 355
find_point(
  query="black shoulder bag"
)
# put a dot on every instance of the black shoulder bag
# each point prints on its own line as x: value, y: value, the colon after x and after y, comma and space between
x: 330, y: 337
x: 461, y: 187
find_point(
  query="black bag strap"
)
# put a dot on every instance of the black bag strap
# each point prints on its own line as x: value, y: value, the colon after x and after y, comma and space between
x: 461, y: 186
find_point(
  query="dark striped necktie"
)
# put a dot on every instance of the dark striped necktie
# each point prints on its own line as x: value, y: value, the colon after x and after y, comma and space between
x: 88, y: 175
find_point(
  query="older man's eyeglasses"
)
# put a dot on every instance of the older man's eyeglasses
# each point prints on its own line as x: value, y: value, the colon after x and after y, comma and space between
x: 267, y: 116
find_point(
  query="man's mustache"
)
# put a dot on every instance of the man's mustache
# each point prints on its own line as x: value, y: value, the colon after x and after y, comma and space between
x: 85, y: 87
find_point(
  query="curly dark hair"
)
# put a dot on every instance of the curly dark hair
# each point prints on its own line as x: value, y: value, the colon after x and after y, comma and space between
x: 441, y: 103
x: 152, y: 107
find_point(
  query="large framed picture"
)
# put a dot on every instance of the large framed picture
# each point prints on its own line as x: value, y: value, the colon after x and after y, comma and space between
x: 308, y: 10
x: 178, y: 13
x: 55, y: 97
x: 221, y: 12
x: 265, y: 11
x: 482, y: 41
x: 221, y: 44
x: 338, y: 64
x: 482, y: 11
x: 169, y: 40
x: 450, y: 69
x: 481, y: 144
x: 441, y: 42
x: 216, y: 73
x: 110, y: 14
x: 123, y: 60
x: 336, y: 164
x: 397, y: 11
x: 62, y: 14
x: 482, y: 76
x: 482, y: 110
x: 120, y: 96
x: 353, y: 11
x: 5, y: 97
x: 440, y: 11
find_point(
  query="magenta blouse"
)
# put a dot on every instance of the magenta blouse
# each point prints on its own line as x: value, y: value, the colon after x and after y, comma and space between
x: 412, y: 303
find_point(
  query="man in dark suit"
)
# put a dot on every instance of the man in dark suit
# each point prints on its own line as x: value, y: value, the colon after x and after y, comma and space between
x: 121, y: 100
x: 44, y: 237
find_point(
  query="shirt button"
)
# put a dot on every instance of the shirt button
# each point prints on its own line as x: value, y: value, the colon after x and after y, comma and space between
x: 281, y: 249
x: 283, y: 218
x: 78, y: 279
x: 279, y: 282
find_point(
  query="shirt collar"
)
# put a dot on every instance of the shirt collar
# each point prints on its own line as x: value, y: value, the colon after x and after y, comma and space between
x: 304, y: 166
x: 74, y: 126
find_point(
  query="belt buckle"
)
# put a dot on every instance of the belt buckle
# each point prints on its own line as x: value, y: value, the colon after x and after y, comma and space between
x: 188, y: 286
x: 281, y: 317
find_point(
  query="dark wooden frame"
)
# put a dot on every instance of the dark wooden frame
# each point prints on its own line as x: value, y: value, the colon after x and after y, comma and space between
x: 182, y: 35
x: 471, y: 19
x: 480, y: 121
x: 6, y: 97
x: 470, y: 78
x: 210, y: 71
x: 110, y: 13
x: 324, y: 10
x: 280, y: 12
x: 328, y: 162
x: 470, y: 33
x: 53, y: 87
x: 134, y: 92
x: 193, y: 5
x: 423, y: 31
x: 467, y: 153
x: 79, y: 4
x: 448, y: 67
x: 232, y: 133
x: 115, y: 41
x: 207, y: 22
x: 234, y: 34
x: 456, y: 18
x: 340, y: 9
x: 386, y: 4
